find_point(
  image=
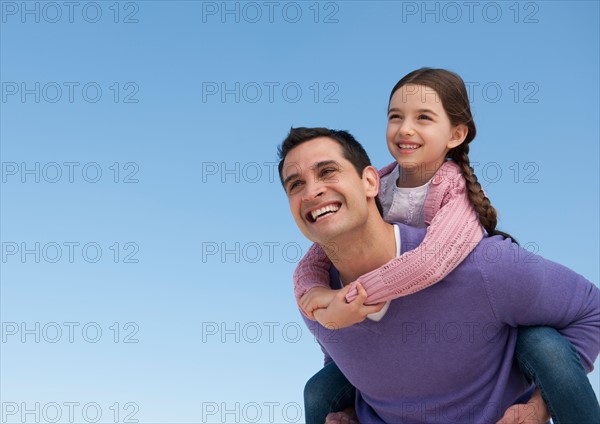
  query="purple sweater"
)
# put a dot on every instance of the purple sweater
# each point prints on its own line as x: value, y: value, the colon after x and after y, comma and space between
x: 445, y: 354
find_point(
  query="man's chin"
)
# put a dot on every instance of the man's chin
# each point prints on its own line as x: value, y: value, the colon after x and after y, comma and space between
x: 322, y: 233
x: 324, y: 239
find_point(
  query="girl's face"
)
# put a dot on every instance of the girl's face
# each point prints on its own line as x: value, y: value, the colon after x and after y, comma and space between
x: 419, y: 133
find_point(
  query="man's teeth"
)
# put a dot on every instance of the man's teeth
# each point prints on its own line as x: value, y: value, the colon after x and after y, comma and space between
x: 409, y: 146
x: 324, y: 211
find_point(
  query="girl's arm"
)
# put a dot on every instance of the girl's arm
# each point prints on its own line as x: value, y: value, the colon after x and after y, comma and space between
x: 312, y: 272
x: 454, y: 231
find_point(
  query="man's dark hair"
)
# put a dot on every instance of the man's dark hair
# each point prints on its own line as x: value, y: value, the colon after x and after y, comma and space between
x: 352, y: 150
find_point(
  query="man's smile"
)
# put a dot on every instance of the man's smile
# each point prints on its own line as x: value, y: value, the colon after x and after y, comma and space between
x: 320, y: 212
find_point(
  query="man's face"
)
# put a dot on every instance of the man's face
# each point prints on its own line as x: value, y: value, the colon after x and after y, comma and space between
x: 327, y: 196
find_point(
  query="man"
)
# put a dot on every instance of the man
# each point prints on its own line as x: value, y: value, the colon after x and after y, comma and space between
x: 445, y: 354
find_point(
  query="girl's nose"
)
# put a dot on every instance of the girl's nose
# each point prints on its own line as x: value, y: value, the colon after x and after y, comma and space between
x: 407, y: 129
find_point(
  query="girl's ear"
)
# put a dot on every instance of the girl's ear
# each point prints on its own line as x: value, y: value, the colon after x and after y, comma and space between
x: 458, y: 135
x: 370, y: 179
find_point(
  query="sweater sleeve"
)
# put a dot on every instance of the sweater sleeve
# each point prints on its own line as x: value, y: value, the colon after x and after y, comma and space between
x: 312, y: 271
x: 454, y: 231
x: 526, y: 289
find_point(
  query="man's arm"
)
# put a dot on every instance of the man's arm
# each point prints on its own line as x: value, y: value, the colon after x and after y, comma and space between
x: 526, y: 289
x: 347, y: 416
x: 532, y: 412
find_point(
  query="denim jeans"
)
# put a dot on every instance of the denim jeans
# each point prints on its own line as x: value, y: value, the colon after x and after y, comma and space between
x: 544, y: 356
x: 327, y: 391
x: 553, y: 364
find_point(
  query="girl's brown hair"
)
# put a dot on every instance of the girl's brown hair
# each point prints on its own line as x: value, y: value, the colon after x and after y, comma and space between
x: 453, y: 94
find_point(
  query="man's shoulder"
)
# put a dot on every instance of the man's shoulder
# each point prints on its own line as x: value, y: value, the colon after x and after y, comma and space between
x: 410, y: 237
x: 496, y: 255
x: 493, y: 248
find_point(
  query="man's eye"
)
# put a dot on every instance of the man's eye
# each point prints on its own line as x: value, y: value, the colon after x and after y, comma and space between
x: 294, y: 185
x: 327, y: 171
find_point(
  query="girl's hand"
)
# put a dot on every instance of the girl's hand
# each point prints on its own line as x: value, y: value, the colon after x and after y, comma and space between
x: 315, y: 298
x: 341, y: 314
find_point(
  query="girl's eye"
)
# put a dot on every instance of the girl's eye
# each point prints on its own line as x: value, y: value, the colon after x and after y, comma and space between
x: 426, y: 117
x: 393, y: 116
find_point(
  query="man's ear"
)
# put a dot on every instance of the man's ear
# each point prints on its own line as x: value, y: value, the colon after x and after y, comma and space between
x: 458, y: 135
x: 370, y: 178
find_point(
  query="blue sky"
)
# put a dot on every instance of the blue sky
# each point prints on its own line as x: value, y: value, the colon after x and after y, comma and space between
x: 147, y: 244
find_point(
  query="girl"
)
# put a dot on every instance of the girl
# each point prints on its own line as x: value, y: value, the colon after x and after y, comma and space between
x: 432, y: 184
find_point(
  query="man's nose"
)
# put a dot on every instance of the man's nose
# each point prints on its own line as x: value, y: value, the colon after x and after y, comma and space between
x: 312, y: 190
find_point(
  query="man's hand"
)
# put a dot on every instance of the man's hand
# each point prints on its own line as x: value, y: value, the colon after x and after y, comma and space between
x: 341, y: 314
x: 347, y: 416
x: 315, y: 298
x: 533, y: 412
